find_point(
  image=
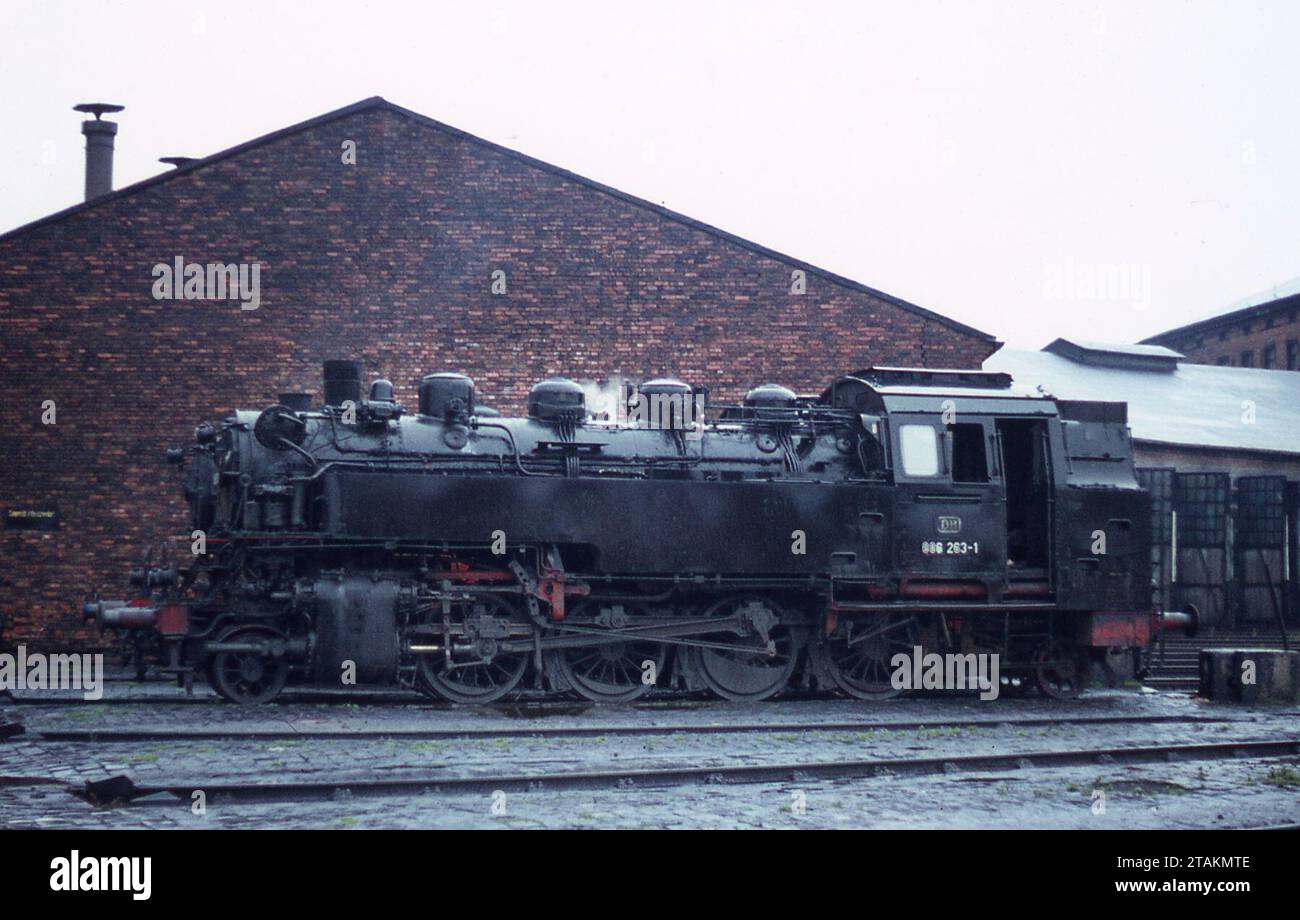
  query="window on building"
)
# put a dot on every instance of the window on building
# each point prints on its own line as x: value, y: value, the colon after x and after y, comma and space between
x: 1223, y: 336
x: 1224, y: 361
x: 919, y: 449
x: 1269, y: 357
x: 1248, y: 359
x: 1292, y: 355
x: 969, y: 463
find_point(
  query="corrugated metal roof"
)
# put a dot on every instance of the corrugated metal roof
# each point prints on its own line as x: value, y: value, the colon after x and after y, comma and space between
x: 1197, y: 405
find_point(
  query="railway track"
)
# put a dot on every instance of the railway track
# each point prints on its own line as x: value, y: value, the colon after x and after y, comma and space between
x: 100, y: 736
x: 122, y: 790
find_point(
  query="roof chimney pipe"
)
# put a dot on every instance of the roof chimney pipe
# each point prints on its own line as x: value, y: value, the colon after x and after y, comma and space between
x: 99, y: 147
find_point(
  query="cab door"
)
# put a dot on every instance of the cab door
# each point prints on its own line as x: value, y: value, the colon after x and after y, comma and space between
x: 951, y: 524
x: 1025, y: 459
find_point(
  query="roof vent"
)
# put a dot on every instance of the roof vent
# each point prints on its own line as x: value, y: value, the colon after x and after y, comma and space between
x: 1123, y: 357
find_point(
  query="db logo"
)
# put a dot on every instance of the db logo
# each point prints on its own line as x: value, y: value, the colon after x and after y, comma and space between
x: 949, y: 524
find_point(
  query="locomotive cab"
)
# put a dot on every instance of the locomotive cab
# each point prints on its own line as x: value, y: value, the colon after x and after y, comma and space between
x: 1004, y: 496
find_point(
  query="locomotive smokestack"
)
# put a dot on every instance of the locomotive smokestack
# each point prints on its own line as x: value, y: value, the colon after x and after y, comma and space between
x: 342, y: 382
x: 99, y: 147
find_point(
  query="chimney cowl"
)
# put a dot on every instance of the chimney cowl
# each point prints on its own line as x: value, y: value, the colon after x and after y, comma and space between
x: 98, y: 109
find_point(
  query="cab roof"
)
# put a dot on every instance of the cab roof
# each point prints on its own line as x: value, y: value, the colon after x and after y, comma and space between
x: 895, y: 389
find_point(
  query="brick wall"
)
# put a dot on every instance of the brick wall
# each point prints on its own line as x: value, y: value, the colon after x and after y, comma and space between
x: 389, y: 260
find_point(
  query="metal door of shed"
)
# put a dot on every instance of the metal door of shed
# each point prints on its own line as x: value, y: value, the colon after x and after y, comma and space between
x: 1159, y: 481
x: 1200, y: 555
x: 1260, y: 592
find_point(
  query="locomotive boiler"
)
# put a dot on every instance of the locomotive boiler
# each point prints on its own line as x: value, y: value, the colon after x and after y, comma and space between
x: 738, y: 549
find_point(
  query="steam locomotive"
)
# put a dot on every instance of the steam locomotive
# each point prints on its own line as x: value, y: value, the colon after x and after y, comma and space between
x: 739, y: 549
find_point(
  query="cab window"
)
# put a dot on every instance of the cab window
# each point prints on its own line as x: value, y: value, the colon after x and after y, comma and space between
x: 919, y: 450
x: 969, y: 461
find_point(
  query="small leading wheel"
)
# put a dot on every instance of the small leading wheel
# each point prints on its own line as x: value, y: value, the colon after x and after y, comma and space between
x: 617, y: 672
x: 488, y: 677
x: 1058, y: 670
x: 247, y: 677
x: 746, y: 675
x: 858, y: 655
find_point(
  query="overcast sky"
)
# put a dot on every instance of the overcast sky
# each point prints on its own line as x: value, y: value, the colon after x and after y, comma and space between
x: 984, y: 160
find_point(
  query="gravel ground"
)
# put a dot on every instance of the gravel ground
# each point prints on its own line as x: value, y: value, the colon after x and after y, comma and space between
x: 1224, y: 793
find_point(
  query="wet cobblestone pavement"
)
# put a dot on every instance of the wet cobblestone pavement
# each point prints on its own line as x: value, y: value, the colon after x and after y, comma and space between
x: 38, y: 771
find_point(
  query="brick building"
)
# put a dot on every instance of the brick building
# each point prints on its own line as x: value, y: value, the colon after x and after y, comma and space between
x: 434, y: 250
x: 1261, y: 333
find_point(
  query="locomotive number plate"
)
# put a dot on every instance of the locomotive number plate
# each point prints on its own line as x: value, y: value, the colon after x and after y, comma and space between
x: 950, y: 548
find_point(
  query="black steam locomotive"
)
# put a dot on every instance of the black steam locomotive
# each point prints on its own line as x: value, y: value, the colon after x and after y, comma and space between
x: 738, y: 549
